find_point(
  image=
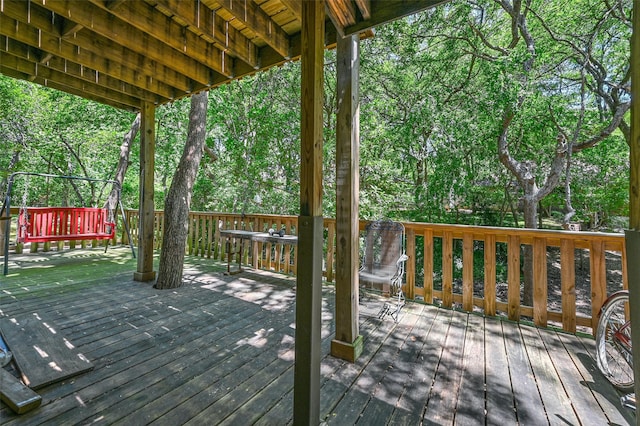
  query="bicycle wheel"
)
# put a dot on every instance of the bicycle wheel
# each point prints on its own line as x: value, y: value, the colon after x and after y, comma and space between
x: 613, y: 342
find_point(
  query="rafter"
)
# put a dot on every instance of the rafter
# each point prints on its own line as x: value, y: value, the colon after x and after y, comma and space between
x: 295, y: 7
x: 260, y: 23
x: 211, y: 27
x: 65, y: 67
x: 365, y: 8
x: 125, y: 52
x: 342, y: 12
x: 38, y: 71
x: 95, y: 52
x: 146, y: 18
x: 123, y: 34
x: 383, y: 11
x: 85, y: 92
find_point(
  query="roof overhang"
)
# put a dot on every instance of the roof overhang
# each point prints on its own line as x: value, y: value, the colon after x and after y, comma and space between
x: 125, y: 53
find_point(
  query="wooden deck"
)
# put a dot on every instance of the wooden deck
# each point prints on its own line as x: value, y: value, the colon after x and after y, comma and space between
x: 220, y: 350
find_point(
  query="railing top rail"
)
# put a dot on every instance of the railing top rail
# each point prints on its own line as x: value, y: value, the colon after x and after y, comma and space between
x: 547, y: 233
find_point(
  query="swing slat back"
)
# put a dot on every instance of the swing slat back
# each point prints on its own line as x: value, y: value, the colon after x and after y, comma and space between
x: 45, y: 224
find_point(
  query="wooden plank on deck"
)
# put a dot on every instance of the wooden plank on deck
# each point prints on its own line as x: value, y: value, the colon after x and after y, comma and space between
x: 593, y: 398
x: 529, y: 406
x: 425, y: 366
x: 41, y: 353
x: 444, y: 393
x: 499, y: 393
x: 470, y: 409
x: 16, y: 395
x: 557, y: 404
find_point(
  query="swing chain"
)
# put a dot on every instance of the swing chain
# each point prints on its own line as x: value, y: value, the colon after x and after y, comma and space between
x: 23, y: 209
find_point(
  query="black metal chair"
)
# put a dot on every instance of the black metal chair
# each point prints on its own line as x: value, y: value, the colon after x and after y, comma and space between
x: 382, y: 266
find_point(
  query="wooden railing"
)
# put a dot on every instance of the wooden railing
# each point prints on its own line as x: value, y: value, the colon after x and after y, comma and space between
x: 557, y: 248
x: 472, y: 268
x: 204, y: 237
x: 469, y: 267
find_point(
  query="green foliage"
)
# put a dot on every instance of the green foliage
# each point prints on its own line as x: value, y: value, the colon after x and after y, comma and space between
x: 47, y: 131
x: 433, y: 90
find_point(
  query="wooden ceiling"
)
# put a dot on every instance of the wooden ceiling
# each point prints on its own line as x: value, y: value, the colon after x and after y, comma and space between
x: 127, y: 52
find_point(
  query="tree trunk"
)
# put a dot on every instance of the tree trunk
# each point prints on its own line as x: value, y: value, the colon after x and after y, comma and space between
x: 178, y: 201
x: 123, y: 164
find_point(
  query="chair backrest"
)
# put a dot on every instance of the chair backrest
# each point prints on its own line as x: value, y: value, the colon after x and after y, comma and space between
x: 383, y: 247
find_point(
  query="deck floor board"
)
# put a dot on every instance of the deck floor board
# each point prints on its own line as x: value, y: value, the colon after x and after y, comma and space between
x: 220, y: 350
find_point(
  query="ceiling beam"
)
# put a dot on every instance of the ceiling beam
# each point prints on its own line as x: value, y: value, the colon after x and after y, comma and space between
x: 146, y: 18
x: 42, y: 72
x: 212, y: 28
x: 80, y: 72
x: 270, y: 58
x: 86, y: 94
x: 295, y: 7
x: 383, y: 11
x: 251, y: 15
x: 93, y: 51
x: 100, y: 22
x: 342, y: 12
x: 20, y: 33
x: 365, y: 8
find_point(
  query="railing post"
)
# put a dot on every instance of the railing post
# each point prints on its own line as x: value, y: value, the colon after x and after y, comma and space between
x: 410, y: 251
x: 632, y: 239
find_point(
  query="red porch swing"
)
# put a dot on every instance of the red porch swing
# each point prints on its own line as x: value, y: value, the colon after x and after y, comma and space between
x: 47, y: 224
x: 44, y: 224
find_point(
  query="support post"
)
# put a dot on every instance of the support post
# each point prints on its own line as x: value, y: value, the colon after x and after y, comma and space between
x: 145, y: 270
x: 632, y: 236
x: 348, y: 342
x: 634, y: 143
x: 632, y: 240
x: 306, y: 398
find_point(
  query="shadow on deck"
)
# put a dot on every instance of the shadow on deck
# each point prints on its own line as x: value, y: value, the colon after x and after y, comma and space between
x: 220, y: 350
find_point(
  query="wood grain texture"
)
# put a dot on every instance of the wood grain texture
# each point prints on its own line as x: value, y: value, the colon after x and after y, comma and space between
x: 568, y: 279
x: 447, y: 269
x: 540, y: 284
x: 16, y: 395
x: 222, y: 347
x: 42, y: 353
x: 513, y: 277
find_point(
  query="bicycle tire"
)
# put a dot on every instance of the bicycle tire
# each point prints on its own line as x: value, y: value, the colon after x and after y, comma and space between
x: 610, y: 359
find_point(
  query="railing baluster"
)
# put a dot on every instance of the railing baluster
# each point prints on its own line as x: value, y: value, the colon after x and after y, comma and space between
x: 410, y: 251
x: 513, y: 277
x: 490, y: 275
x: 447, y: 269
x: 331, y: 243
x: 598, y: 279
x: 467, y: 272
x: 428, y: 266
x: 540, y: 282
x: 568, y: 280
